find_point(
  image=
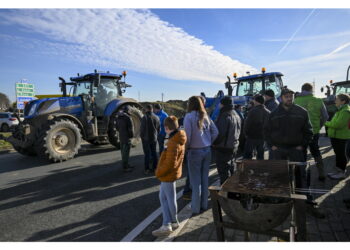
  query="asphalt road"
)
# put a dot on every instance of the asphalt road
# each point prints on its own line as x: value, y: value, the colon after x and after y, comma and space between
x: 88, y: 198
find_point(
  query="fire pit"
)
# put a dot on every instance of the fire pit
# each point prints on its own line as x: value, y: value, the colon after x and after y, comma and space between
x: 259, y: 197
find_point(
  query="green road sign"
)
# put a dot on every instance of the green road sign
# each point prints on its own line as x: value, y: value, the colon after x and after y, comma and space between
x: 25, y: 90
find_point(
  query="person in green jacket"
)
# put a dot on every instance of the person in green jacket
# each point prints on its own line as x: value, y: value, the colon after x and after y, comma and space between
x: 318, y: 116
x: 339, y: 133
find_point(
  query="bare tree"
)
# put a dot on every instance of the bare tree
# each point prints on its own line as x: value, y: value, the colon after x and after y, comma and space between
x: 4, y: 102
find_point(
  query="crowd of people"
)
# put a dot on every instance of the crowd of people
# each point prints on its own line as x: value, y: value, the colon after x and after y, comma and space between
x: 286, y: 130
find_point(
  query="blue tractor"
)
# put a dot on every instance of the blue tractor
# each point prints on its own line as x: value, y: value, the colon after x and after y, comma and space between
x: 53, y: 128
x: 245, y: 88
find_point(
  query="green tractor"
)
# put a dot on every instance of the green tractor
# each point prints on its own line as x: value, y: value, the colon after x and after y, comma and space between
x: 53, y: 128
x: 334, y: 89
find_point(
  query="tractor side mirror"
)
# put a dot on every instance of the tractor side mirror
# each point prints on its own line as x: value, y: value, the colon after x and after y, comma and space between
x: 322, y: 89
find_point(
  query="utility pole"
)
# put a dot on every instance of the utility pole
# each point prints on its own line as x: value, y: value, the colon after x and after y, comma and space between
x: 162, y: 97
x: 313, y: 86
x: 138, y: 92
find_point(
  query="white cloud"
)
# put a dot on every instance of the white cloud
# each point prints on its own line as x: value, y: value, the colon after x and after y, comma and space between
x: 125, y: 38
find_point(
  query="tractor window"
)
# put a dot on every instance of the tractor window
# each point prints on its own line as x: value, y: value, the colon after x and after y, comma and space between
x: 271, y: 83
x: 249, y: 87
x: 82, y: 88
x: 343, y: 89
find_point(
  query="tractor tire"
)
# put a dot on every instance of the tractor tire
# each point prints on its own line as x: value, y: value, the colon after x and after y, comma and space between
x: 59, y: 140
x: 5, y: 127
x: 113, y: 134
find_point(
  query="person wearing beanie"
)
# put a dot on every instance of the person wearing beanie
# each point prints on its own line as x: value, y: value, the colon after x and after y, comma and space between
x: 253, y: 128
x: 270, y: 101
x: 226, y: 144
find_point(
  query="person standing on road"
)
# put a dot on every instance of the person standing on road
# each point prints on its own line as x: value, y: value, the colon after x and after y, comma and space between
x: 288, y: 132
x: 253, y: 129
x: 201, y: 133
x: 226, y: 144
x: 318, y: 116
x: 161, y: 136
x: 125, y: 127
x: 150, y: 127
x: 169, y: 170
x: 339, y: 133
x: 270, y: 101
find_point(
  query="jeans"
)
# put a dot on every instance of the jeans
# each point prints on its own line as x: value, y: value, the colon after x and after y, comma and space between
x: 339, y: 147
x: 250, y: 145
x: 161, y: 139
x: 187, y: 188
x: 223, y: 165
x: 149, y: 149
x: 125, y: 152
x: 302, y: 176
x: 198, y: 166
x: 167, y: 198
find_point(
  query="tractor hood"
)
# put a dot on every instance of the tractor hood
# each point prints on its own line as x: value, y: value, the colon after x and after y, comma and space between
x: 67, y: 105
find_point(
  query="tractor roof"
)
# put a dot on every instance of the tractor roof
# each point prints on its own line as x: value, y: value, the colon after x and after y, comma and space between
x: 340, y: 83
x: 259, y: 76
x: 91, y: 75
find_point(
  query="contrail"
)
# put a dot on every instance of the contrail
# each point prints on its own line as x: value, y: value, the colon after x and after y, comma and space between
x: 299, y: 28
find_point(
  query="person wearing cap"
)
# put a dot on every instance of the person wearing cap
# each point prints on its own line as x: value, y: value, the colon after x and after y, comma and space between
x: 161, y: 115
x: 270, y: 101
x: 125, y: 127
x: 226, y: 144
x: 253, y: 128
x: 288, y: 132
x: 318, y: 116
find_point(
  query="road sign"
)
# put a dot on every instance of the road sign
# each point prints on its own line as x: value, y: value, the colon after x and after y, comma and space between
x: 24, y: 93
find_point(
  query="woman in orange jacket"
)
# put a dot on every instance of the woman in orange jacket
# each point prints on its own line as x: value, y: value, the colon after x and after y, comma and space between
x: 169, y: 170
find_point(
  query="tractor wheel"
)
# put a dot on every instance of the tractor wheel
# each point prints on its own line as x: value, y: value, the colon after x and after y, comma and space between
x: 5, y: 127
x: 59, y: 140
x: 113, y: 135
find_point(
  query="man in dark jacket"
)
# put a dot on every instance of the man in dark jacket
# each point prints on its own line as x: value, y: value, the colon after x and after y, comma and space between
x: 226, y: 144
x: 150, y: 128
x: 288, y: 132
x: 253, y: 129
x: 125, y: 128
x: 270, y: 101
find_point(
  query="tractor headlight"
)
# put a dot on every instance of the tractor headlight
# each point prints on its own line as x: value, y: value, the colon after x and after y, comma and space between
x: 32, y: 109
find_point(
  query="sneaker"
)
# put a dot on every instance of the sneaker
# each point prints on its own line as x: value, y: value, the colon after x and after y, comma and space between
x: 337, y: 176
x: 175, y: 225
x: 162, y: 231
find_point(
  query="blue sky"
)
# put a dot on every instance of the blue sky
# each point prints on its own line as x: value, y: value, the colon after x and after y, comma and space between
x: 178, y: 52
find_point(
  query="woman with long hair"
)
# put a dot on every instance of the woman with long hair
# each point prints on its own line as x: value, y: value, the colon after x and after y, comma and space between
x: 201, y: 133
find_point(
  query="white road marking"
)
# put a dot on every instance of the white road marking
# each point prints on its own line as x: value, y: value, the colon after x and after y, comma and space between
x: 145, y: 223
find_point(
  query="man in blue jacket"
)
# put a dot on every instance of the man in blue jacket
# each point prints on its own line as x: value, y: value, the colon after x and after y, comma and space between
x: 161, y: 115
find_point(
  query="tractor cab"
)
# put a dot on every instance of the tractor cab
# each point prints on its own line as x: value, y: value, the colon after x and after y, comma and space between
x: 98, y: 88
x: 250, y: 85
